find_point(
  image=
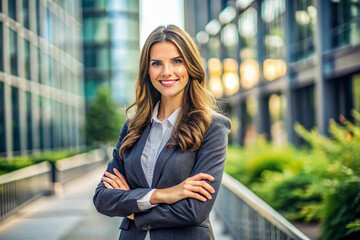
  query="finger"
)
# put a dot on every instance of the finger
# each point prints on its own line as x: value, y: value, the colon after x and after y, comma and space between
x: 111, y: 182
x: 205, y: 185
x: 122, y: 178
x: 200, y: 190
x: 108, y: 185
x: 195, y: 195
x: 115, y: 178
x: 202, y: 176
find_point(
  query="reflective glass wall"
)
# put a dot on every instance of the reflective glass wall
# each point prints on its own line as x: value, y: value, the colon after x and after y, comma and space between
x: 111, y: 47
x: 41, y: 76
x: 291, y: 61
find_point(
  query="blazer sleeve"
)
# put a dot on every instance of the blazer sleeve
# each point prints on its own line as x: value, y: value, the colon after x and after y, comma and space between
x: 115, y: 202
x: 189, y: 211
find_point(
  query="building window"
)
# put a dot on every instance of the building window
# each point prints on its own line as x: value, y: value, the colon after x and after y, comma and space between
x: 345, y: 23
x: 29, y: 120
x: 2, y: 119
x: 25, y: 8
x: 27, y: 59
x: 15, y: 118
x: 277, y: 110
x: 272, y: 12
x: 251, y: 112
x: 272, y: 15
x: 41, y: 122
x: 39, y: 66
x: 12, y: 9
x: 1, y: 47
x: 13, y: 52
x: 305, y: 15
x: 38, y: 17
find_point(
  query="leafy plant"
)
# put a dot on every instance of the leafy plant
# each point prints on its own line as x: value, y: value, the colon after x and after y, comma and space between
x: 103, y: 118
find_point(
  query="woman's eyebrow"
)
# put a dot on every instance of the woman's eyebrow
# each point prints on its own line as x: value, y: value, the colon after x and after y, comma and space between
x: 155, y: 60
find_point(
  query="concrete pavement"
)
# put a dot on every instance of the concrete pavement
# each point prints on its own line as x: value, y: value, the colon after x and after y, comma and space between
x: 70, y: 216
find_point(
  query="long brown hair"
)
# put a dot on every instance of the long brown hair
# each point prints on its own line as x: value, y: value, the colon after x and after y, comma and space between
x: 197, y: 106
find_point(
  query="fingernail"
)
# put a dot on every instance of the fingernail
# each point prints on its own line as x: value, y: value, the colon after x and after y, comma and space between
x: 212, y: 190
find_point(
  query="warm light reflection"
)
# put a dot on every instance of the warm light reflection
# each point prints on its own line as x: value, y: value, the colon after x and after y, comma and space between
x: 216, y: 86
x: 274, y: 68
x: 215, y: 68
x: 215, y: 71
x: 249, y: 73
x: 230, y: 76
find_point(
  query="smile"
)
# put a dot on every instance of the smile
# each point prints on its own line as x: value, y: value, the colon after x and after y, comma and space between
x: 168, y: 83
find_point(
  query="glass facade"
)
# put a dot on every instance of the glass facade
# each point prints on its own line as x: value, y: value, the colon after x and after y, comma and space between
x: 111, y: 47
x: 298, y: 62
x: 2, y: 120
x: 304, y: 21
x: 345, y: 23
x: 272, y: 12
x: 41, y: 76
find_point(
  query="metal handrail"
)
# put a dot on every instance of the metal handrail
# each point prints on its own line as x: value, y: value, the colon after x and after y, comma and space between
x: 22, y: 186
x: 248, y: 217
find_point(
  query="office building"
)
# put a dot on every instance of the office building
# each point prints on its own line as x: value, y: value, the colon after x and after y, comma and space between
x: 111, y: 47
x: 41, y: 76
x: 295, y: 61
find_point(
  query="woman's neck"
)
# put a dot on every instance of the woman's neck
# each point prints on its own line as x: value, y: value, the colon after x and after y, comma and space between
x: 167, y: 107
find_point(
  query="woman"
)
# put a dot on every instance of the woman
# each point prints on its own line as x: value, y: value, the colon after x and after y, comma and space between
x: 169, y: 160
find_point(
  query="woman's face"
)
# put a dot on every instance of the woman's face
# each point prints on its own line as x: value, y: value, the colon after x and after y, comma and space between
x: 167, y: 71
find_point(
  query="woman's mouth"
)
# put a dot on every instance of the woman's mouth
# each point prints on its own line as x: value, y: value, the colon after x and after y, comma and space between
x: 168, y: 83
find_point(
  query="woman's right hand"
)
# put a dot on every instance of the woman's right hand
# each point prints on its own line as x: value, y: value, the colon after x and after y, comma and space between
x: 192, y: 187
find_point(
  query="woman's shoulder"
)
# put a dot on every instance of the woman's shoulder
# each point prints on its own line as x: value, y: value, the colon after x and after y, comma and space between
x: 219, y: 120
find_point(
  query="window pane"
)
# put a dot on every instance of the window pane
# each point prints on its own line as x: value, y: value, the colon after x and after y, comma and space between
x: 2, y: 119
x: 305, y: 15
x: 12, y: 9
x: 41, y: 122
x: 15, y: 118
x: 1, y: 47
x: 277, y: 110
x: 25, y: 8
x: 27, y: 59
x: 345, y: 23
x: 29, y: 120
x: 13, y: 52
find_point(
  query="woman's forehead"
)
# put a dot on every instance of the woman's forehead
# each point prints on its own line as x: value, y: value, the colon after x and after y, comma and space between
x: 164, y: 49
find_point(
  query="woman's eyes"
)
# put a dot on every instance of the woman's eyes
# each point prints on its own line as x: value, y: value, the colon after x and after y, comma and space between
x: 175, y: 61
x: 155, y: 63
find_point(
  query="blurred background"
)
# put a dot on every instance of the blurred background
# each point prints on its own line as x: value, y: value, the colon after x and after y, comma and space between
x: 286, y: 72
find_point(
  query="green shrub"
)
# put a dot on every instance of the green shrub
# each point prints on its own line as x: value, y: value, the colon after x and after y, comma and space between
x: 341, y: 209
x: 19, y: 162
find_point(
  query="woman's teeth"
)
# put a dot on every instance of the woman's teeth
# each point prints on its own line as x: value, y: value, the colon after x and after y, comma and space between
x: 168, y: 82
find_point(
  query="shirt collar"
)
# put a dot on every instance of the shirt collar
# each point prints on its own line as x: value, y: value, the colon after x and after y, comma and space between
x: 171, y: 119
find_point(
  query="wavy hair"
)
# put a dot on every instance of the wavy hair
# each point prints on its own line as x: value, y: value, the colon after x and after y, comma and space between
x: 198, y: 104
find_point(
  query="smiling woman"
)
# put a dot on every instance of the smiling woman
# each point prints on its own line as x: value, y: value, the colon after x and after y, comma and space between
x: 168, y: 75
x: 169, y: 160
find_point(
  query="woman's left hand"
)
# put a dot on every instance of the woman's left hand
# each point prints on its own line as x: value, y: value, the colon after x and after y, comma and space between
x: 116, y: 181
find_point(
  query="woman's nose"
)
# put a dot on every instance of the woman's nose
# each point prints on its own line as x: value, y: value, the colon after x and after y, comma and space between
x: 167, y: 71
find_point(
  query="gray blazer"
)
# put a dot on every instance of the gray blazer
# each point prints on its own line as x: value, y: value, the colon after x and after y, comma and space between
x: 185, y: 219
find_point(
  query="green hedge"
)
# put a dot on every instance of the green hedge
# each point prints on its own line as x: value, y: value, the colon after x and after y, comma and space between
x: 320, y: 183
x: 18, y: 162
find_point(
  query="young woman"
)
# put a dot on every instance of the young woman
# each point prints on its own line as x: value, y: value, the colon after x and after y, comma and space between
x: 169, y: 160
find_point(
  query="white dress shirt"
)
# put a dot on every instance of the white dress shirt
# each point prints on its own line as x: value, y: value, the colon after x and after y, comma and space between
x: 159, y: 135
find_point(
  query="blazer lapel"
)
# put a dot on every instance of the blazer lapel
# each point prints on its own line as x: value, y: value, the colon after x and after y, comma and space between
x: 136, y: 159
x: 162, y: 159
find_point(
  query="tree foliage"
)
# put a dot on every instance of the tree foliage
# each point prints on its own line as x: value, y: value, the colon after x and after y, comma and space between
x: 103, y: 119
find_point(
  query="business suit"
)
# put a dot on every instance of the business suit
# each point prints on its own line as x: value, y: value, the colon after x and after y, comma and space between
x: 185, y: 219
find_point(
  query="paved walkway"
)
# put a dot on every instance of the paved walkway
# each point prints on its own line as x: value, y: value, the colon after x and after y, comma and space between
x: 69, y: 216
